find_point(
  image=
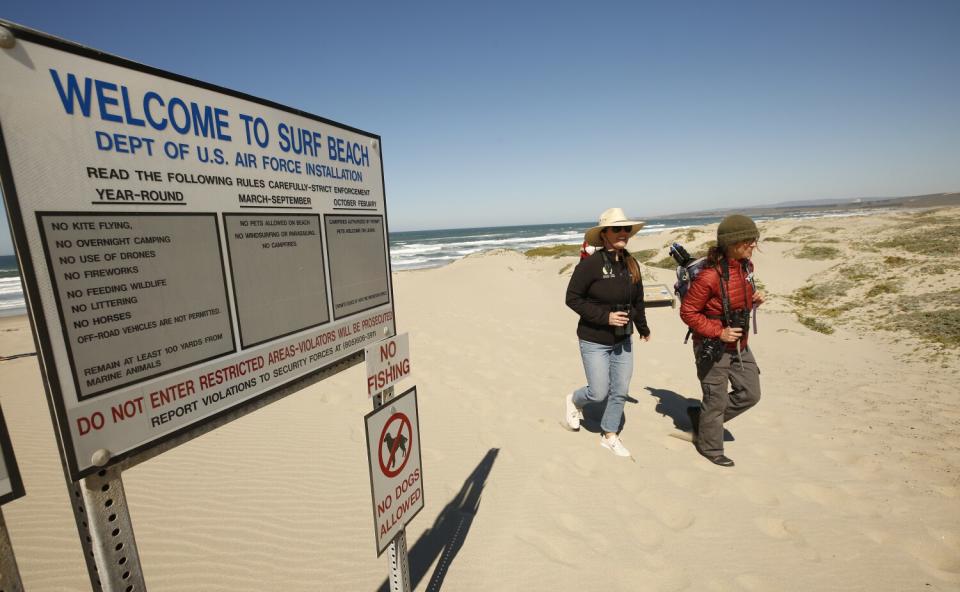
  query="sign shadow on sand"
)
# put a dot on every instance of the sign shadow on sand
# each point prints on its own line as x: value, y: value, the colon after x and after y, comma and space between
x: 449, y: 531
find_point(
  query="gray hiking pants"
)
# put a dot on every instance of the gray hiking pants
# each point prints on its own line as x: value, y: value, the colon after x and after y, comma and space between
x: 720, y: 405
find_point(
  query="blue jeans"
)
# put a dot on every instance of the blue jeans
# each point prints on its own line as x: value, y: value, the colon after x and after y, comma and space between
x: 608, y: 369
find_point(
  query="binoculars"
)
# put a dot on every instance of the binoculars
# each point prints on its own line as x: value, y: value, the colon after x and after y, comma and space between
x: 740, y: 319
x: 626, y: 329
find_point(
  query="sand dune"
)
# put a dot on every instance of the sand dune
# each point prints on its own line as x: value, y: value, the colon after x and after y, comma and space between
x: 847, y: 476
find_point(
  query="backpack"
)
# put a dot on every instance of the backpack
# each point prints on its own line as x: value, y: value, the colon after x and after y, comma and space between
x: 688, y: 268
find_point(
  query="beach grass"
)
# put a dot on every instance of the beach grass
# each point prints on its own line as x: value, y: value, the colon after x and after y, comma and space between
x: 554, y: 251
x: 930, y: 240
x: 665, y: 263
x: 817, y: 252
x: 815, y: 324
x: 645, y: 255
x: 940, y: 327
x: 819, y: 292
x: 895, y: 261
x: 901, y: 278
x: 884, y: 287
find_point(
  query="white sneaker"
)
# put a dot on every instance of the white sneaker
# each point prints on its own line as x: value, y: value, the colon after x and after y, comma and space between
x: 571, y: 415
x: 615, y: 445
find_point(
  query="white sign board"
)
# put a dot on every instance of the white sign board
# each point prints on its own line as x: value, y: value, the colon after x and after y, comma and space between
x: 388, y: 362
x: 185, y: 248
x: 11, y: 486
x: 396, y: 475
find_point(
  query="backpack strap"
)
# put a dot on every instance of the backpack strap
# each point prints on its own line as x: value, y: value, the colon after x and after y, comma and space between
x: 724, y: 296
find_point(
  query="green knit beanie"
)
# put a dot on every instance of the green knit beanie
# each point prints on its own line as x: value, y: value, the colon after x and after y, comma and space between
x: 736, y: 228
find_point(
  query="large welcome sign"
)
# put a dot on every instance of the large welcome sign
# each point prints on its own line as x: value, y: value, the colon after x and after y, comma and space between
x: 186, y: 249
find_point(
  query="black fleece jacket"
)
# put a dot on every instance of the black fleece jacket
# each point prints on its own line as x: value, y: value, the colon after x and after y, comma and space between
x: 592, y: 293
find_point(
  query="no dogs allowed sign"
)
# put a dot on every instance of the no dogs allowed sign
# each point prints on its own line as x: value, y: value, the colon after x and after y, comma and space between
x: 396, y: 476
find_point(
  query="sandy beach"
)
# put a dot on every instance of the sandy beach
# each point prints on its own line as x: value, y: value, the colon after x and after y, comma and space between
x: 847, y: 476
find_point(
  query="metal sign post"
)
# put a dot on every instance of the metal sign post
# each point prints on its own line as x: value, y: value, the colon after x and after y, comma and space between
x: 11, y: 488
x: 106, y: 532
x: 399, y: 563
x: 9, y: 574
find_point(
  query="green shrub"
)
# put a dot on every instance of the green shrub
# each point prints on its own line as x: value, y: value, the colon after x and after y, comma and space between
x: 939, y: 268
x: 817, y: 252
x: 665, y: 263
x: 645, y: 255
x: 885, y: 287
x: 894, y: 261
x: 819, y: 292
x: 857, y: 273
x: 837, y: 311
x: 941, y: 326
x: 814, y: 324
x: 554, y: 251
x: 935, y: 240
x: 775, y: 239
x: 565, y: 268
x: 940, y: 300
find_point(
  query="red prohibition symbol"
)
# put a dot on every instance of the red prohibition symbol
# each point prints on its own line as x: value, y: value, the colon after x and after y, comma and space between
x: 396, y: 441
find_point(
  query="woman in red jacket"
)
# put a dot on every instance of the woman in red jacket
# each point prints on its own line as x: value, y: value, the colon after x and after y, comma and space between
x: 717, y: 309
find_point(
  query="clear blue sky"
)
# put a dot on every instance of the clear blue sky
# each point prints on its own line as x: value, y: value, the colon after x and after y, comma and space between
x: 496, y: 113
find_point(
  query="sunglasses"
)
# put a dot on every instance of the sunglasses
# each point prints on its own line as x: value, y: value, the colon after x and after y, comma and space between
x: 620, y: 228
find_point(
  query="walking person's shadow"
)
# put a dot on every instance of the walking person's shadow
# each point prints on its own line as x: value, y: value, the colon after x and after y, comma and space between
x: 593, y: 413
x: 674, y: 406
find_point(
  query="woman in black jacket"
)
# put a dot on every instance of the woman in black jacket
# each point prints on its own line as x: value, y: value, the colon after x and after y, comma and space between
x: 607, y: 292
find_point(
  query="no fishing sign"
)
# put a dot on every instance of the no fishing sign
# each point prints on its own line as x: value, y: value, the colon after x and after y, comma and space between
x: 396, y: 475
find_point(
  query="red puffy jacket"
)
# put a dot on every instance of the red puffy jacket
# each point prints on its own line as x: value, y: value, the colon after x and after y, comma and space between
x: 702, y: 307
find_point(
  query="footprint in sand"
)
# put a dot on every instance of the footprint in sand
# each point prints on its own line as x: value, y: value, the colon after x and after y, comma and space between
x: 817, y: 494
x: 777, y: 528
x: 549, y: 547
x: 879, y: 537
x: 580, y: 530
x: 572, y: 523
x: 947, y: 491
x: 673, y: 581
x: 673, y: 517
x: 752, y: 582
x: 357, y: 435
x: 939, y: 551
x: 772, y: 455
x: 846, y: 458
x: 692, y: 481
x: 759, y: 493
x: 558, y: 469
x: 646, y: 534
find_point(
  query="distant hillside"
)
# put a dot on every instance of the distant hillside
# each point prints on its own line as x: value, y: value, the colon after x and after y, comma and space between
x: 910, y: 201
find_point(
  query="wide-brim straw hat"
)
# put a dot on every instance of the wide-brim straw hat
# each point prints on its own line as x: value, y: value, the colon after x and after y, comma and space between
x: 611, y: 217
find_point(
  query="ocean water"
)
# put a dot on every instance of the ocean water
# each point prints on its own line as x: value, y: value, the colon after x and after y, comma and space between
x: 11, y: 291
x: 434, y: 248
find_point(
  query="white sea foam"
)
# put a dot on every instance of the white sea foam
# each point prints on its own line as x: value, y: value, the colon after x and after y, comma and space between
x: 10, y: 285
